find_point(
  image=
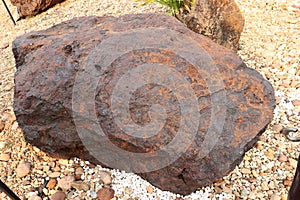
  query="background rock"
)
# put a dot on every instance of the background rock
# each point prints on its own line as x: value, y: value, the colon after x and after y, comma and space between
x: 220, y: 20
x: 33, y: 7
x: 47, y: 64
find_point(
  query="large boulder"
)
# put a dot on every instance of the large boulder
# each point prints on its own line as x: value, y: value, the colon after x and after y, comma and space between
x: 33, y: 7
x: 220, y: 20
x: 142, y: 93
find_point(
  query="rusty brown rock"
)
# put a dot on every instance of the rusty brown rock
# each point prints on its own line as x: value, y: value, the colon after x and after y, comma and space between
x: 105, y: 193
x: 209, y: 106
x: 220, y: 20
x: 33, y: 7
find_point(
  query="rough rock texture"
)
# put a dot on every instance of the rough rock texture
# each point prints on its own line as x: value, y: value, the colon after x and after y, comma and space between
x: 181, y: 109
x: 33, y: 7
x: 220, y: 20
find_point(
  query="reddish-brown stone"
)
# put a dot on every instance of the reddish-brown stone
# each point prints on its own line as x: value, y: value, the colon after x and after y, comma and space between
x: 105, y: 194
x: 57, y: 69
x: 220, y: 20
x: 33, y: 7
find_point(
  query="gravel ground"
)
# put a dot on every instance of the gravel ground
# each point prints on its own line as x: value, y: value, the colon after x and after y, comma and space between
x: 270, y: 44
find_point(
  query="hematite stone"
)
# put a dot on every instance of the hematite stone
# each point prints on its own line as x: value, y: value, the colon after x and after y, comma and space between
x: 142, y: 93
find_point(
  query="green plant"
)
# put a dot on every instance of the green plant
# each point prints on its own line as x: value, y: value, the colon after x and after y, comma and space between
x: 173, y: 5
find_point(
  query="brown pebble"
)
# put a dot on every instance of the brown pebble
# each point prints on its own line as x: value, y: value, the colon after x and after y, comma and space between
x: 149, y: 189
x: 56, y: 169
x: 78, y: 177
x: 78, y: 172
x: 4, y: 157
x: 259, y: 146
x: 23, y: 169
x: 58, y: 196
x: 2, y: 126
x: 218, y: 190
x: 105, y: 194
x: 4, y: 45
x: 51, y: 184
x: 282, y: 158
x: 296, y: 102
x: 65, y: 182
x: 287, y: 182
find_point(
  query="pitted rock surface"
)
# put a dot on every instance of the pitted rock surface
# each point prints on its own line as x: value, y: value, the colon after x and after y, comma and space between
x: 33, y: 7
x: 142, y: 93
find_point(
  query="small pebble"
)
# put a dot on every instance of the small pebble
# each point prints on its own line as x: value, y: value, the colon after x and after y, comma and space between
x: 79, y: 185
x: 149, y: 189
x: 275, y: 197
x: 4, y: 45
x: 4, y: 157
x: 35, y: 197
x: 254, y: 173
x: 105, y: 194
x: 63, y: 161
x: 259, y: 146
x: 128, y: 190
x: 78, y: 172
x: 58, y: 196
x: 2, y: 144
x: 36, y: 149
x: 269, y: 155
x: 65, y: 182
x: 287, y: 182
x: 293, y: 162
x: 244, y: 193
x: 105, y: 177
x: 296, y: 102
x: 264, y: 186
x: 51, y: 184
x: 277, y: 128
x: 282, y: 158
x: 23, y: 169
x: 2, y: 126
x: 54, y: 174
x: 45, y: 191
x: 246, y: 171
x: 246, y: 157
x: 14, y: 126
x: 56, y: 169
